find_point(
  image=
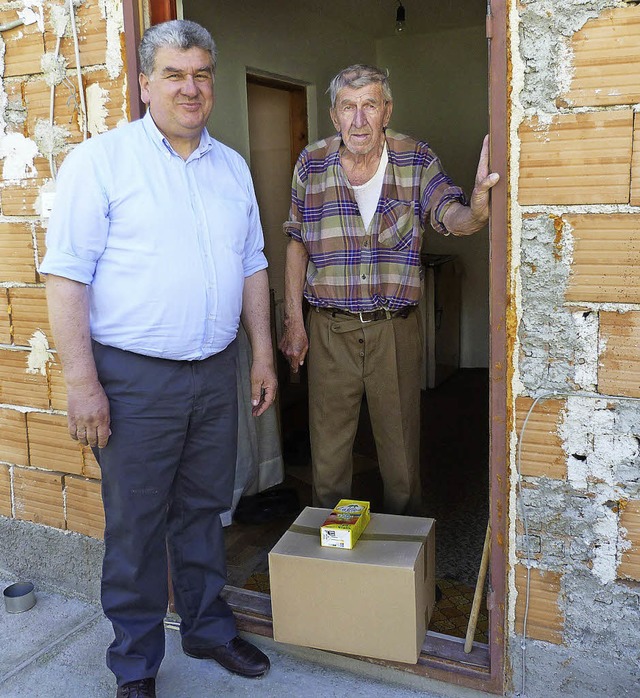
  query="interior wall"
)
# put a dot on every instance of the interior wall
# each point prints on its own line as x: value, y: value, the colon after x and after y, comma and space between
x: 300, y: 45
x: 439, y: 83
x: 440, y: 88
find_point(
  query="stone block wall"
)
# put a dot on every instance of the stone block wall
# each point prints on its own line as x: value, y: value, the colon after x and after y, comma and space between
x: 575, y: 217
x: 45, y: 477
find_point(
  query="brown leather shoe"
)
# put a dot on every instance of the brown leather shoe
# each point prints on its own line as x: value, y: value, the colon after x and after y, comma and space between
x: 145, y: 688
x: 237, y: 656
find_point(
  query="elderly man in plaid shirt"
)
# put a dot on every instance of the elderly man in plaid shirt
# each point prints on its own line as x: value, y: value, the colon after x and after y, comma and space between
x: 360, y: 201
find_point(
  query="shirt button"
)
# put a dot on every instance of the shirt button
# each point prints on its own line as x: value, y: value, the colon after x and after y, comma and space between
x: 361, y: 341
x: 361, y: 353
x: 364, y: 276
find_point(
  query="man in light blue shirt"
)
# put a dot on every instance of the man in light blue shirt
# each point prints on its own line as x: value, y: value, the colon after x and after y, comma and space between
x: 154, y: 255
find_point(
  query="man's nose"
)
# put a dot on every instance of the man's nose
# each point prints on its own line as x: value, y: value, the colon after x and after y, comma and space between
x: 189, y: 86
x: 360, y: 118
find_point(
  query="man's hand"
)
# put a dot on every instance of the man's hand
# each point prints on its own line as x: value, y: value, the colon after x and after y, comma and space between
x: 294, y: 344
x: 466, y: 220
x: 88, y: 414
x: 479, y: 202
x: 264, y: 385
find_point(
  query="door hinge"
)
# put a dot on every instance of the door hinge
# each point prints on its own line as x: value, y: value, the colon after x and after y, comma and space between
x: 489, y: 24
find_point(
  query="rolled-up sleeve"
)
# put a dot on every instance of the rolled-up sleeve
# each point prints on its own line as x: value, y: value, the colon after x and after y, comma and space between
x: 437, y: 193
x: 293, y: 226
x: 77, y: 232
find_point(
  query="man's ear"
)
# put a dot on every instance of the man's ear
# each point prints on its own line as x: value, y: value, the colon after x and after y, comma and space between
x: 144, y: 88
x: 336, y: 123
x: 388, y: 108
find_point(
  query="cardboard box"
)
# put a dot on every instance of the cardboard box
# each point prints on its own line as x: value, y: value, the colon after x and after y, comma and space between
x: 373, y: 601
x: 345, y: 524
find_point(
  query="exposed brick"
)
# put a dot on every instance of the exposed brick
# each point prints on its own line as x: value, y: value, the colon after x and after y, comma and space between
x: 13, y: 437
x: 38, y: 497
x: 50, y: 445
x: 578, y: 158
x: 57, y: 388
x: 619, y: 369
x: 19, y: 199
x: 92, y: 36
x: 17, y: 261
x: 5, y: 490
x: 85, y: 513
x: 606, y: 258
x: 545, y: 620
x: 606, y: 60
x: 5, y: 317
x: 29, y: 314
x: 541, y: 452
x: 115, y: 100
x: 17, y: 386
x: 42, y: 248
x: 90, y: 468
x: 629, y: 567
x: 37, y: 96
x: 24, y: 46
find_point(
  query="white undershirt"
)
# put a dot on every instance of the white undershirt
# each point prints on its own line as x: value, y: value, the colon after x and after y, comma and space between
x: 368, y: 194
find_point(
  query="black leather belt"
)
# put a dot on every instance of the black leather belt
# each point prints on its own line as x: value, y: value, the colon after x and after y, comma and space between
x: 371, y: 315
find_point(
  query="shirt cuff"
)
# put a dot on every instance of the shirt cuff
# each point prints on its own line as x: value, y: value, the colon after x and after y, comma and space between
x: 68, y: 266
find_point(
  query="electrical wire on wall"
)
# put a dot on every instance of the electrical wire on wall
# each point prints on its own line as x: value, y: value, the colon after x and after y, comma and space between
x: 523, y: 513
x: 76, y: 49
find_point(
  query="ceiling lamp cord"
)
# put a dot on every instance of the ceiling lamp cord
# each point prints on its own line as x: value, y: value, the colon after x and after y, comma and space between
x: 401, y: 18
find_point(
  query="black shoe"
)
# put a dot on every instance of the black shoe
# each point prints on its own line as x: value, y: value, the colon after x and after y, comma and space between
x: 145, y: 688
x: 237, y: 656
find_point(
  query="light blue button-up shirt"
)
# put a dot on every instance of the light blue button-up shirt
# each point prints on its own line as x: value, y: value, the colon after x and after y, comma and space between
x: 163, y: 243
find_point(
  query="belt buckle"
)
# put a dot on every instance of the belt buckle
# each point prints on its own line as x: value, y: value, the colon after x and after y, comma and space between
x: 361, y: 318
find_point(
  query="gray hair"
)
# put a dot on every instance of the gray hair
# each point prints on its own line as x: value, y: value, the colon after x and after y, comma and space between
x: 182, y: 34
x: 359, y: 75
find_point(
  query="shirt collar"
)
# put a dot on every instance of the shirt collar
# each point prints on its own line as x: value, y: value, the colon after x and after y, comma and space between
x: 206, y: 142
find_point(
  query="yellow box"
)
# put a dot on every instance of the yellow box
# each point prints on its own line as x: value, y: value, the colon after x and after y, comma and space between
x: 345, y: 524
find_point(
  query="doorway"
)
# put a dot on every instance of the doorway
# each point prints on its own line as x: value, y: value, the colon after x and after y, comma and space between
x: 311, y: 44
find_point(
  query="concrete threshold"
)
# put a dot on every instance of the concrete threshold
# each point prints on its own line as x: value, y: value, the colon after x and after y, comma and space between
x: 57, y: 649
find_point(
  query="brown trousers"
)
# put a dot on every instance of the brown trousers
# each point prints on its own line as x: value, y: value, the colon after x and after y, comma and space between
x: 348, y: 358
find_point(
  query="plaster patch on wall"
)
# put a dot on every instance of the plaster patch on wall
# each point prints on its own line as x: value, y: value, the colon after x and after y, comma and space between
x: 546, y: 28
x: 97, y: 113
x: 112, y: 12
x: 50, y: 138
x: 587, y: 350
x: 40, y: 355
x: 54, y: 68
x: 33, y: 12
x: 18, y: 153
x: 59, y: 19
x: 550, y: 351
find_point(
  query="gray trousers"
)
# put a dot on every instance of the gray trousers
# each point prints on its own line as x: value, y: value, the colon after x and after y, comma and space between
x: 167, y: 475
x: 381, y: 359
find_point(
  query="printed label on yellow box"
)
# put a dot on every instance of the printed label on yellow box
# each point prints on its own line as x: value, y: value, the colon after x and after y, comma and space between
x: 345, y: 524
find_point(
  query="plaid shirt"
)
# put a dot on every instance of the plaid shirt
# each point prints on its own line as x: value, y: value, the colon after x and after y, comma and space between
x: 356, y: 269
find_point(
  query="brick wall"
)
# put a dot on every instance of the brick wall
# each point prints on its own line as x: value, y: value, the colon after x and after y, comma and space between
x: 577, y: 519
x: 46, y: 477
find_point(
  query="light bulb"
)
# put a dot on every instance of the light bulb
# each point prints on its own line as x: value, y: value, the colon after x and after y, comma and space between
x: 401, y: 19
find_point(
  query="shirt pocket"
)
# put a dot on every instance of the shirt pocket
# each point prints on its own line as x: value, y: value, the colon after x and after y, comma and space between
x: 397, y: 224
